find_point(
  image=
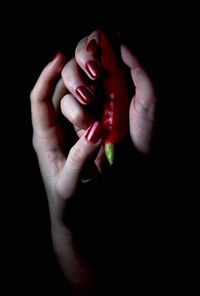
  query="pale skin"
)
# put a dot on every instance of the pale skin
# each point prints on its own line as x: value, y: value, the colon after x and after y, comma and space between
x: 61, y: 173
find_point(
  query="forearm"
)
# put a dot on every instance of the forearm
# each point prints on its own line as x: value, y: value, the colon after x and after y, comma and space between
x: 76, y: 269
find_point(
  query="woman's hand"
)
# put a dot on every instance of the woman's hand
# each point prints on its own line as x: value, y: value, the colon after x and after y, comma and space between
x: 61, y: 169
x: 61, y: 173
x: 77, y: 88
x: 142, y: 111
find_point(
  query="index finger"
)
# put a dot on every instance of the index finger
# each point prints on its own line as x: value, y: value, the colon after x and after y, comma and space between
x: 42, y: 109
x: 87, y: 57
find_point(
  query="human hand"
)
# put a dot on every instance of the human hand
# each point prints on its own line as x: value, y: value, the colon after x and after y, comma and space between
x: 142, y: 112
x: 142, y: 109
x: 48, y: 138
x: 60, y: 171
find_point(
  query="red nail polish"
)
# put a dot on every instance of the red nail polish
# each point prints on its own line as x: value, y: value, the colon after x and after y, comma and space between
x: 94, y: 132
x: 92, y: 45
x: 93, y: 69
x: 84, y: 94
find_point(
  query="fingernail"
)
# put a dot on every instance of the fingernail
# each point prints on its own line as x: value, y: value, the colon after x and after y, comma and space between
x: 84, y: 94
x: 94, y: 132
x: 92, y: 46
x: 93, y: 69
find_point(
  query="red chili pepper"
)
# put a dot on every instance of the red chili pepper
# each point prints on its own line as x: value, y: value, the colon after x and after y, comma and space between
x: 115, y: 114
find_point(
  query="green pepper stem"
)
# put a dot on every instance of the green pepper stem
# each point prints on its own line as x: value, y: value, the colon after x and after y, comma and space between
x: 110, y: 152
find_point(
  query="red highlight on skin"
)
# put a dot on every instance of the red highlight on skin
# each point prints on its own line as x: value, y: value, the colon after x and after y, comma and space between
x: 58, y: 53
x: 57, y: 63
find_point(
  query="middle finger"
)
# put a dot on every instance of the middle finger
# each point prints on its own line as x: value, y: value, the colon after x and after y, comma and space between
x: 76, y: 83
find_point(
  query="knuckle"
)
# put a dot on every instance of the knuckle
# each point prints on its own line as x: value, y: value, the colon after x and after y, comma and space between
x: 77, y: 117
x: 60, y: 188
x: 81, y: 45
x: 35, y: 143
x: 68, y: 74
x: 76, y: 156
x: 32, y: 95
x: 67, y: 68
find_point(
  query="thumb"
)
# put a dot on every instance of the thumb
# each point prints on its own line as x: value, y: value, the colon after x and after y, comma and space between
x: 143, y: 104
x: 77, y: 158
x: 144, y: 87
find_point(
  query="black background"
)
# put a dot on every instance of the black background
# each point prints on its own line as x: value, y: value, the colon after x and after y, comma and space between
x: 158, y: 35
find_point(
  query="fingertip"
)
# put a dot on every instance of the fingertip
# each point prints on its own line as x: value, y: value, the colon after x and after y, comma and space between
x: 128, y: 57
x: 85, y: 95
x: 57, y: 62
x: 94, y: 37
x: 95, y: 132
x: 58, y: 55
x: 87, y: 55
x: 92, y: 46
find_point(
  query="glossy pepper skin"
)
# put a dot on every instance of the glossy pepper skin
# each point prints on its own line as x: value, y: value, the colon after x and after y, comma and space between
x: 116, y: 108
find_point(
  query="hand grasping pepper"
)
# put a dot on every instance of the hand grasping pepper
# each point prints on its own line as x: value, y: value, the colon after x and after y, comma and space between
x: 115, y: 114
x: 61, y: 170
